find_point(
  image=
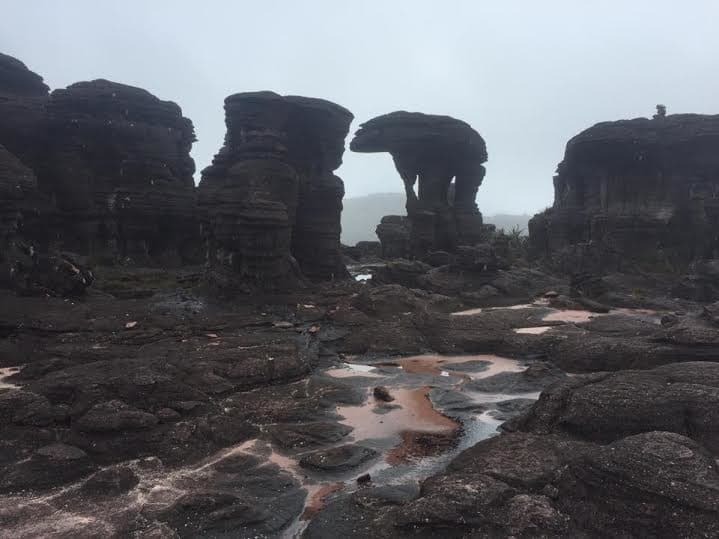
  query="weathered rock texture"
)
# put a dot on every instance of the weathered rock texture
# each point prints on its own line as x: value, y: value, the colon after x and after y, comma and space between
x: 117, y: 165
x: 635, y: 192
x: 431, y: 151
x: 270, y: 199
x: 18, y: 187
x: 24, y: 267
x: 23, y: 96
x: 394, y: 235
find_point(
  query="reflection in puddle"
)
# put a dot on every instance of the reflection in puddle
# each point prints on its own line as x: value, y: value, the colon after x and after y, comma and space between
x: 569, y: 316
x: 348, y: 370
x: 7, y: 372
x: 537, y: 330
x: 541, y: 302
x: 468, y: 312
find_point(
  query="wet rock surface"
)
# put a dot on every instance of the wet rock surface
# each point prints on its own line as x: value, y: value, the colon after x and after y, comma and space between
x: 206, y: 411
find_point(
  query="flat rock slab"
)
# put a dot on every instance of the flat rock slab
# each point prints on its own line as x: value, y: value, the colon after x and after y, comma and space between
x: 338, y: 459
x: 308, y: 434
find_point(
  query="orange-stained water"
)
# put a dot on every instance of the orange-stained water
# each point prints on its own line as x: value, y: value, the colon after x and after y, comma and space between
x: 317, y: 497
x: 413, y: 411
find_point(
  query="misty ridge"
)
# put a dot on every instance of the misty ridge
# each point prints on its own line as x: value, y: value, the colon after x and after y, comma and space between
x: 361, y: 215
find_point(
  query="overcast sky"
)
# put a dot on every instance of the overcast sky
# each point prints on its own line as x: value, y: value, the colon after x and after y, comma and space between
x: 527, y: 75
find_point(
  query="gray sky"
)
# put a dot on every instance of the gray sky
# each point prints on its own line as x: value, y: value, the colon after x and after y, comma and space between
x: 527, y: 75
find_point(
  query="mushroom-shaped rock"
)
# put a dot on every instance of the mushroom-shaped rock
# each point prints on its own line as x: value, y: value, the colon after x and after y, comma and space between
x: 270, y: 200
x: 431, y: 151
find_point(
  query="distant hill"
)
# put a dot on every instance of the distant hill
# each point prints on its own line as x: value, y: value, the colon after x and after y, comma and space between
x: 361, y: 215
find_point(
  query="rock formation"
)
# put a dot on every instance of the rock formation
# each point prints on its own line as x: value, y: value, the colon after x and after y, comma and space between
x: 430, y: 151
x: 118, y: 167
x: 635, y: 192
x: 394, y: 235
x: 23, y: 266
x: 18, y: 186
x: 23, y: 96
x: 270, y: 200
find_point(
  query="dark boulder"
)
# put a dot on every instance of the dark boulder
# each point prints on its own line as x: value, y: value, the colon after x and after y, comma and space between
x: 47, y: 467
x: 679, y: 397
x: 393, y: 232
x: 657, y: 484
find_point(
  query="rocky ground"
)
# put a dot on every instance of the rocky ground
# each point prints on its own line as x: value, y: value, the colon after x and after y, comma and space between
x: 359, y: 409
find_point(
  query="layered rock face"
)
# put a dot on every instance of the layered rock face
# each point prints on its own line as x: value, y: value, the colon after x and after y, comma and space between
x: 18, y: 186
x: 23, y: 96
x: 24, y: 267
x: 271, y: 203
x: 430, y: 152
x: 117, y: 165
x: 635, y: 192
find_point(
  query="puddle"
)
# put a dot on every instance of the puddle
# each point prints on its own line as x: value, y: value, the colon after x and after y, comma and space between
x: 7, y: 372
x: 348, y: 370
x: 569, y: 316
x: 537, y: 330
x: 363, y: 277
x: 541, y: 302
x: 476, y: 366
x: 411, y: 410
x: 468, y: 312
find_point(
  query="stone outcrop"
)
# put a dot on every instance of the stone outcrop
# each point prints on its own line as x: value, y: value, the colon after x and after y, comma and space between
x: 634, y: 192
x: 270, y: 201
x: 394, y: 235
x: 430, y: 152
x: 118, y: 167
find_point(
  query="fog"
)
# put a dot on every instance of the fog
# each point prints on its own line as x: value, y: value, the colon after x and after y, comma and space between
x: 527, y: 75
